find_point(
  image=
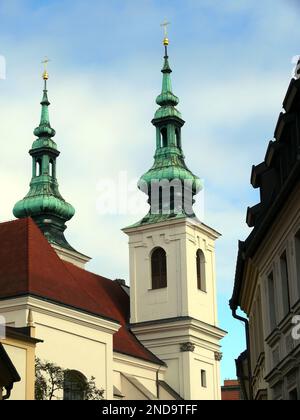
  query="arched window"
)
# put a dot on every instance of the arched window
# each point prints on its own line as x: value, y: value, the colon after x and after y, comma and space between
x: 74, y: 385
x: 51, y: 168
x: 178, y: 138
x: 164, y: 136
x: 38, y: 167
x: 159, y: 268
x: 201, y: 280
x: 172, y: 200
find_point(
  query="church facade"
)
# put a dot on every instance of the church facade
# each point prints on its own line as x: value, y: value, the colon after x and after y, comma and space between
x: 158, y: 339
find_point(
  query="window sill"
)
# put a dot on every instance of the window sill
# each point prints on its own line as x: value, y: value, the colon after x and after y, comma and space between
x: 273, y: 338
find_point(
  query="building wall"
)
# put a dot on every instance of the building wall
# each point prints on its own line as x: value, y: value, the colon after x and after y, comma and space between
x: 231, y: 390
x: 204, y: 364
x: 77, y: 341
x: 187, y: 347
x: 163, y: 319
x: 136, y: 378
x: 271, y: 299
x: 72, y: 340
x: 180, y: 240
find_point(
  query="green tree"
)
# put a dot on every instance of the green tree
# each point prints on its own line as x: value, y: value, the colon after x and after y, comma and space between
x: 50, y: 380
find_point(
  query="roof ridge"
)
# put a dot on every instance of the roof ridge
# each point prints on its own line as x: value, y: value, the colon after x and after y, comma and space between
x: 87, y: 271
x: 7, y: 222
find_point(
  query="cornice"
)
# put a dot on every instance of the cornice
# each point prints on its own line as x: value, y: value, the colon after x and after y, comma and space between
x: 189, y: 222
x: 181, y: 325
x: 136, y: 362
x: 283, y: 368
x: 60, y: 312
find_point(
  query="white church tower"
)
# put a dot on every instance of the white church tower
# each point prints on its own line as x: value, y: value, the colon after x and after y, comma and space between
x: 172, y: 265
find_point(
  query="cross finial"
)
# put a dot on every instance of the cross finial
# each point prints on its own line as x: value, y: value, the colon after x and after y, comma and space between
x: 45, y: 74
x: 165, y: 25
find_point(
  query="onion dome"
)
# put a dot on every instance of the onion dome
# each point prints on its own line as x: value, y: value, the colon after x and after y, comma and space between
x: 44, y: 202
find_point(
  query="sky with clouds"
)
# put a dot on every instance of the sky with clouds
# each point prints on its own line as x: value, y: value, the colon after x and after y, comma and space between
x: 231, y: 62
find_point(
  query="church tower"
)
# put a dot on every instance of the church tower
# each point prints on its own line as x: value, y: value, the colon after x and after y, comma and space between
x: 172, y: 264
x: 44, y: 202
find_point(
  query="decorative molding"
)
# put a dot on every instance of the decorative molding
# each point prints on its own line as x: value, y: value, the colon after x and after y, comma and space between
x: 59, y: 311
x: 30, y: 322
x: 218, y: 356
x: 187, y: 347
x: 187, y: 222
x: 131, y: 361
x: 181, y: 323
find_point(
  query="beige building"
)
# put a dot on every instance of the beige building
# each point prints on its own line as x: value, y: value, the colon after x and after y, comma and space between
x: 17, y: 365
x: 267, y: 284
x: 157, y: 340
x: 178, y: 323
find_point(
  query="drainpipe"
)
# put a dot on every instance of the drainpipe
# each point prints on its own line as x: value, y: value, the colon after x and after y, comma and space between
x: 246, y: 322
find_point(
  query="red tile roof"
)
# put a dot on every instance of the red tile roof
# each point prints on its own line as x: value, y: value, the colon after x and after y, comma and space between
x: 30, y: 266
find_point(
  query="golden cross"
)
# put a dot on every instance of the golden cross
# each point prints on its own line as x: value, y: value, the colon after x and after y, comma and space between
x: 165, y: 25
x: 45, y: 74
x: 45, y: 62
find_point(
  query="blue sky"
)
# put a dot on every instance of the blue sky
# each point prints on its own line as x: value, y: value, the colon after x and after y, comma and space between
x: 231, y: 63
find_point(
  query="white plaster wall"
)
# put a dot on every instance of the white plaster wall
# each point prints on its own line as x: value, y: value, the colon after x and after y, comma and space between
x: 144, y: 372
x: 197, y: 391
x: 182, y: 297
x: 174, y: 372
x: 130, y: 391
x: 202, y: 305
x: 76, y: 342
x: 153, y: 304
x: 81, y: 342
x: 75, y: 352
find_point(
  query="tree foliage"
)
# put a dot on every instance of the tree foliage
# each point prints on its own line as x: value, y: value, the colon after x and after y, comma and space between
x: 50, y: 380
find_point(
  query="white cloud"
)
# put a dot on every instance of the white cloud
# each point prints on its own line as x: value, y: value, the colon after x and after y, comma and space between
x: 103, y: 127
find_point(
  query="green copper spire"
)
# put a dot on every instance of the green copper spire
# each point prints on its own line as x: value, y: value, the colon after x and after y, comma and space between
x: 166, y: 99
x: 43, y: 202
x: 44, y: 129
x: 169, y: 184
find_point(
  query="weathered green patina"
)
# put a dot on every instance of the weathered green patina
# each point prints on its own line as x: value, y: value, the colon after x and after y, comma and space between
x: 169, y: 161
x: 44, y: 202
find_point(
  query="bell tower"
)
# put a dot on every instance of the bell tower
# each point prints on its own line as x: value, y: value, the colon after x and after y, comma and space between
x: 44, y: 202
x: 172, y: 263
